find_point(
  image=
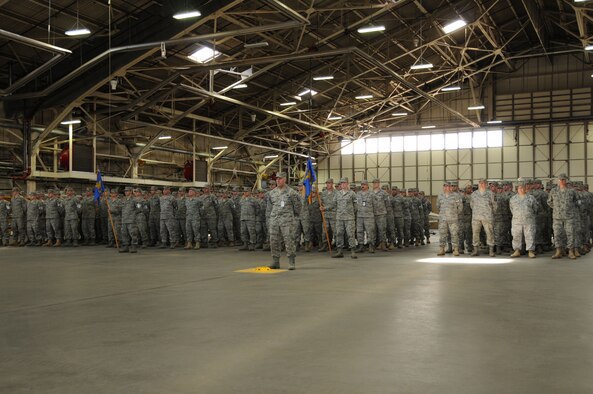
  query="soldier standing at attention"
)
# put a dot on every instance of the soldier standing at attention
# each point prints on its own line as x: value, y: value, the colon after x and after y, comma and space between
x: 71, y: 208
x: 328, y: 206
x: 154, y: 217
x: 483, y: 205
x: 192, y: 219
x: 390, y: 219
x: 104, y: 218
x: 380, y: 209
x: 345, y: 219
x: 366, y: 217
x: 89, y: 212
x: 225, y: 220
x: 249, y: 213
x: 142, y: 217
x: 168, y: 205
x: 115, y: 209
x: 130, y: 207
x: 315, y: 221
x: 53, y: 214
x: 450, y: 207
x: 18, y: 208
x: 272, y: 186
x: 33, y: 214
x: 209, y: 219
x: 465, y: 222
x: 563, y: 202
x: 397, y: 205
x: 180, y: 215
x: 284, y: 206
x: 4, y: 209
x: 302, y: 222
x: 524, y: 208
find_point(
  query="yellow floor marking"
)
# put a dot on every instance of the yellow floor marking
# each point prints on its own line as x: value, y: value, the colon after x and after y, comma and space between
x: 261, y: 270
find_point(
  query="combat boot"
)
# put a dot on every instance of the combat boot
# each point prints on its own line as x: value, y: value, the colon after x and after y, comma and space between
x: 275, y: 263
x: 124, y: 249
x: 187, y: 246
x: 390, y: 246
x: 197, y: 247
x: 428, y: 240
x: 382, y: 247
x: 399, y: 244
x: 214, y: 245
x: 491, y: 251
x: 531, y: 254
x: 259, y: 246
x: 338, y: 254
x: 516, y: 253
x: 291, y: 263
x: 455, y: 251
x: 353, y: 254
x: 449, y: 249
x: 441, y: 251
x: 174, y: 245
x: 476, y: 251
x: 422, y: 243
x: 371, y: 248
x: 67, y: 243
x: 309, y: 246
x: 48, y: 243
x: 162, y: 245
x: 322, y: 248
x: 133, y: 249
x: 75, y: 243
x: 558, y: 254
x: 92, y: 242
x: 251, y: 248
x: 576, y: 252
x: 244, y: 247
x: 571, y: 254
x: 58, y: 243
x: 359, y: 248
x: 238, y: 243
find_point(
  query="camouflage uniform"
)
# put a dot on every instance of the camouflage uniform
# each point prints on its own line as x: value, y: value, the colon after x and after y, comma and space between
x: 89, y: 211
x: 502, y: 221
x: 328, y: 200
x: 168, y: 231
x: 524, y: 210
x: 249, y: 213
x: 397, y: 205
x: 209, y: 220
x: 193, y: 206
x: 33, y: 215
x: 415, y: 228
x: 180, y: 215
x: 366, y: 217
x: 563, y: 202
x: 465, y: 225
x: 142, y: 214
x: 53, y: 214
x: 345, y: 201
x: 302, y: 224
x: 18, y: 208
x: 225, y: 219
x: 380, y: 208
x: 154, y: 219
x: 72, y: 207
x: 130, y: 207
x: 315, y: 222
x: 483, y: 206
x: 407, y: 220
x: 284, y: 206
x: 391, y: 236
x: 261, y: 231
x: 115, y: 208
x: 4, y: 210
x: 103, y: 219
x: 450, y: 208
x: 427, y: 205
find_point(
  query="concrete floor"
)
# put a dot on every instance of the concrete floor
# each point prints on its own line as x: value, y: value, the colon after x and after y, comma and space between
x: 89, y: 320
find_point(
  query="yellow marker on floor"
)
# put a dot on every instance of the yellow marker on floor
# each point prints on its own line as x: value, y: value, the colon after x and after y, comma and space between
x: 261, y: 270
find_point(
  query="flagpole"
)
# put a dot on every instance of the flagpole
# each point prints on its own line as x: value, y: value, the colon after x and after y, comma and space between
x: 112, y: 225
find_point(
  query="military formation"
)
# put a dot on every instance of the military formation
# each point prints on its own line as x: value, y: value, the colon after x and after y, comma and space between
x: 372, y: 217
x: 530, y: 221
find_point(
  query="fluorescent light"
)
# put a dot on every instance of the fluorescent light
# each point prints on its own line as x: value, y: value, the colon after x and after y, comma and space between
x: 270, y: 157
x: 428, y: 127
x: 589, y: 48
x: 77, y: 32
x: 219, y: 147
x: 260, y: 44
x: 73, y: 121
x: 399, y: 114
x: 187, y: 14
x: 240, y: 86
x: 421, y: 66
x: 165, y: 137
x: 335, y: 117
x: 494, y: 122
x: 323, y: 78
x: 204, y: 55
x: 450, y: 88
x: 364, y: 97
x: 476, y: 107
x: 288, y: 104
x: 307, y: 91
x: 456, y: 25
x: 371, y: 29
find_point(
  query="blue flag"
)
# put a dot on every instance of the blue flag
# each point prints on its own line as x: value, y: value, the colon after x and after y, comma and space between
x: 99, y: 186
x: 310, y: 178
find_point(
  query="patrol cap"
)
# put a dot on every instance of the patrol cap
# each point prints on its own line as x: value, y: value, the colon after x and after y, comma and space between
x: 166, y: 188
x: 193, y: 189
x: 385, y: 187
x: 152, y: 188
x: 344, y: 180
x: 129, y: 189
x: 280, y: 175
x: 482, y: 180
x: 376, y: 180
x: 538, y: 182
x: 563, y: 176
x: 330, y: 180
x: 447, y: 183
x: 272, y: 182
x: 300, y: 183
x: 181, y: 189
x: 137, y: 190
x: 89, y: 189
x: 364, y: 182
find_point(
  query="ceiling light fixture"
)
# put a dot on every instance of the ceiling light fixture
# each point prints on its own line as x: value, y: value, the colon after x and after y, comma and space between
x: 240, y: 86
x: 165, y: 137
x: 364, y: 97
x: 219, y: 147
x: 399, y: 114
x: 589, y: 48
x: 288, y: 104
x: 323, y: 78
x: 187, y: 15
x: 334, y: 117
x: 455, y: 25
x: 78, y: 29
x: 428, y: 127
x: 371, y: 29
x: 494, y: 122
x: 307, y: 91
x: 73, y: 121
x: 204, y: 55
x: 476, y: 107
x: 261, y: 44
x: 270, y: 157
x: 421, y: 66
x: 450, y: 88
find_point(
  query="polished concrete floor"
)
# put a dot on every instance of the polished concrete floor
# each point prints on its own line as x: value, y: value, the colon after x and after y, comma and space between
x: 90, y: 320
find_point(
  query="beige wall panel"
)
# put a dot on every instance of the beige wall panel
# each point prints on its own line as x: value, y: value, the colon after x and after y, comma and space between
x: 397, y: 174
x: 576, y: 151
x: 410, y: 173
x: 425, y: 187
x: 577, y: 132
x: 494, y: 155
x: 451, y: 172
x: 509, y: 153
x: 438, y: 173
x: 347, y: 161
x: 334, y: 161
x: 560, y: 152
x: 465, y: 156
x: 479, y: 171
x: 424, y: 173
x: 438, y: 158
x: 577, y: 168
x: 525, y: 170
x: 509, y: 170
x: 525, y: 153
x: 542, y: 169
x: 542, y: 152
x: 525, y: 135
x: 508, y: 137
x: 397, y: 159
x: 559, y: 167
x: 424, y: 158
x: 410, y: 159
x: 495, y: 170
x: 359, y: 161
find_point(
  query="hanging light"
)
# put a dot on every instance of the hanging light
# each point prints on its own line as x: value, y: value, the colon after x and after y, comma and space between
x: 77, y: 29
x: 187, y: 14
